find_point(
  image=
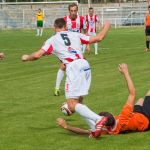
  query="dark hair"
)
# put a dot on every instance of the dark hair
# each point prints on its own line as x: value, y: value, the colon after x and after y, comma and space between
x: 60, y: 23
x: 149, y: 6
x: 90, y: 8
x: 111, y: 119
x: 72, y: 5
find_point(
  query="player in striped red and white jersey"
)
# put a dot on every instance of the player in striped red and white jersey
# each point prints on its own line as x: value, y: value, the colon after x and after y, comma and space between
x: 67, y: 47
x: 91, y: 20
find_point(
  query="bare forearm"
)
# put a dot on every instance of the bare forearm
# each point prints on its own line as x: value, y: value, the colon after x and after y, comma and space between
x: 77, y: 130
x: 130, y: 84
x: 100, y: 36
x: 34, y: 56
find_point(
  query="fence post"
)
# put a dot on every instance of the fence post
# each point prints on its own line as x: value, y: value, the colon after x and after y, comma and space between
x: 23, y: 18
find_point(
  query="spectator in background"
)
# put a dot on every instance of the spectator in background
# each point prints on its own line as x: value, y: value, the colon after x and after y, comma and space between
x: 2, y: 56
x: 147, y: 28
x: 39, y: 18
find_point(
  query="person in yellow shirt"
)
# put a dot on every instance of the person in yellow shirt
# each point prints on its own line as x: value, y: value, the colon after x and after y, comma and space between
x: 147, y: 29
x: 39, y: 18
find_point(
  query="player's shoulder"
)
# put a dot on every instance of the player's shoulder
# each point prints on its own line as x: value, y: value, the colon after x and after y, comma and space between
x: 147, y: 14
x: 81, y: 17
x: 65, y: 18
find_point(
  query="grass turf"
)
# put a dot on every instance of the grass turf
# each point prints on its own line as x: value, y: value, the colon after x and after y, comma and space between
x: 28, y: 109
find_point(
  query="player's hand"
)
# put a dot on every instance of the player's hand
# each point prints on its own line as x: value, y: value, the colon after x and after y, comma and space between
x: 123, y: 68
x: 61, y: 122
x: 25, y: 57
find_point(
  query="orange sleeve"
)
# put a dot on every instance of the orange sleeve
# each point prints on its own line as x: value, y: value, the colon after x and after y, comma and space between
x: 126, y: 114
x: 124, y: 118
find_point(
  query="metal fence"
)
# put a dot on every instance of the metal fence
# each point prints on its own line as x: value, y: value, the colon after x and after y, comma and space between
x: 25, y: 17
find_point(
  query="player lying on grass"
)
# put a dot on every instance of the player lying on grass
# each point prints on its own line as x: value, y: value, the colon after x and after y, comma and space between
x: 2, y: 56
x: 133, y: 117
x: 67, y: 47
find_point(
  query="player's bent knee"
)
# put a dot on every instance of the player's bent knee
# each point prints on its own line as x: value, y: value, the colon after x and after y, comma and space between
x: 71, y: 105
x: 63, y: 67
x: 140, y: 102
x: 148, y: 93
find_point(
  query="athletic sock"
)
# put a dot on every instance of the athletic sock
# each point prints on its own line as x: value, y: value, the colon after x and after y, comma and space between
x: 147, y: 44
x: 96, y: 47
x: 60, y: 75
x: 83, y: 48
x: 38, y: 32
x: 41, y: 32
x: 85, y: 112
x: 91, y: 124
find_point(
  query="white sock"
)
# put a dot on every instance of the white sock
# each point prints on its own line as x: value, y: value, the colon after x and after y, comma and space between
x: 96, y: 47
x: 83, y: 48
x: 85, y: 112
x: 91, y: 123
x: 38, y: 31
x: 41, y: 32
x: 60, y: 75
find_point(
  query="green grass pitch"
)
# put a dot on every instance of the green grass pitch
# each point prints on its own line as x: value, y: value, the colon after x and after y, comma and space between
x: 28, y: 109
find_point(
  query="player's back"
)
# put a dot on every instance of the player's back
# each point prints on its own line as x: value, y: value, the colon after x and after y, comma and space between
x: 66, y: 45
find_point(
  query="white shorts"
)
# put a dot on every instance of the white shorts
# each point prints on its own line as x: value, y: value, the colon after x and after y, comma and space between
x: 91, y: 33
x: 78, y: 79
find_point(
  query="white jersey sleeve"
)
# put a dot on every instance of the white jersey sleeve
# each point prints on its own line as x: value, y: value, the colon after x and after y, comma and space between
x: 84, y: 38
x: 48, y: 46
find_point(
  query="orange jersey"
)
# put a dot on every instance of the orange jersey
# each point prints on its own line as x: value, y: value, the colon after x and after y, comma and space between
x: 147, y: 20
x: 129, y: 121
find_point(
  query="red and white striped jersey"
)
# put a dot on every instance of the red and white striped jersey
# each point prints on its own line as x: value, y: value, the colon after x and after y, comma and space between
x: 91, y: 23
x: 66, y: 45
x: 75, y: 25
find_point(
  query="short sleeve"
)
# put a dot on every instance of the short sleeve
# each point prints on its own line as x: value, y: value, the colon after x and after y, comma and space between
x: 48, y: 47
x: 126, y: 114
x: 84, y: 38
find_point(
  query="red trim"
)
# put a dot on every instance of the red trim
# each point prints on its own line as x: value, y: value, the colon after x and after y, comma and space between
x: 50, y: 49
x: 84, y: 41
x: 69, y: 59
x: 77, y: 55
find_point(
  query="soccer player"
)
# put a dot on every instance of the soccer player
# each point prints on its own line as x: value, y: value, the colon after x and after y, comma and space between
x: 39, y: 17
x: 74, y: 23
x: 2, y: 56
x: 91, y: 20
x: 67, y: 47
x: 133, y: 117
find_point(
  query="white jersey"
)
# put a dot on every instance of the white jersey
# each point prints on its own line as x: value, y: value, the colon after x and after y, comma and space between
x: 66, y: 45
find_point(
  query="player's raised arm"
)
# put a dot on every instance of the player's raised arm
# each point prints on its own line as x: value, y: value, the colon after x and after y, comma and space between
x: 100, y: 36
x: 34, y: 56
x: 62, y: 123
x: 123, y: 68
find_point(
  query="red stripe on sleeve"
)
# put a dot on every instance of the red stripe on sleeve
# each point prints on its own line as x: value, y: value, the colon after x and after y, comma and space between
x: 84, y: 41
x: 49, y: 51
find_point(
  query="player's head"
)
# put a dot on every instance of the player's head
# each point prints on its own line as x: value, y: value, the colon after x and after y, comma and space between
x: 73, y: 10
x: 39, y: 10
x: 60, y: 23
x: 149, y: 8
x: 91, y: 11
x: 111, y: 119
